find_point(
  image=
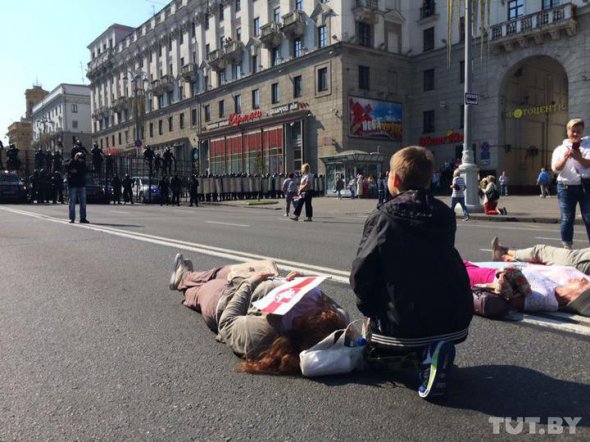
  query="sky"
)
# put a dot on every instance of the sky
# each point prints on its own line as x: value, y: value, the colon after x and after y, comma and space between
x: 44, y: 41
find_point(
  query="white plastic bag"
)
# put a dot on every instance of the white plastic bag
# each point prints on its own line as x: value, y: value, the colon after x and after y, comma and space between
x: 338, y: 353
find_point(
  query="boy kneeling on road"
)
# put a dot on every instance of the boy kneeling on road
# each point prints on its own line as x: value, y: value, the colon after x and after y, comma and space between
x: 409, y: 278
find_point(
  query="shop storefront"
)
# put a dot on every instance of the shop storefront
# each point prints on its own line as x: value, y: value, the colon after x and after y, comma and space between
x: 256, y: 143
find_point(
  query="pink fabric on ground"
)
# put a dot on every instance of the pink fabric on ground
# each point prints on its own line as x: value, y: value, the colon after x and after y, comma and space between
x: 479, y: 275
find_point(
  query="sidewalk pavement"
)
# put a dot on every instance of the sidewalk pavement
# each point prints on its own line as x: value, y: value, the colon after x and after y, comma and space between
x: 521, y: 208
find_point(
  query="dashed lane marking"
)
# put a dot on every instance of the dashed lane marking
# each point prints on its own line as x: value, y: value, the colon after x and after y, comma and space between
x: 557, y: 321
x: 227, y: 224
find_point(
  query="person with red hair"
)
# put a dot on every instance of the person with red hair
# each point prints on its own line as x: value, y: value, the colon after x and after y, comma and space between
x: 269, y: 343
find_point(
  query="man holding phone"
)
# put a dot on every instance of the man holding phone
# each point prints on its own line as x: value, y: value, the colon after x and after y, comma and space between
x: 571, y: 161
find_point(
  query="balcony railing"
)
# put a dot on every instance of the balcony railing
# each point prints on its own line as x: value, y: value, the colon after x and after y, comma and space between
x: 366, y: 11
x: 104, y: 60
x: 367, y: 4
x: 189, y: 72
x: 233, y: 52
x: 270, y: 35
x: 535, y: 26
x: 164, y: 84
x: 294, y: 24
x: 216, y: 60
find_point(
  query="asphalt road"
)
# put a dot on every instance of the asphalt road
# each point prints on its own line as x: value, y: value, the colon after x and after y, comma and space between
x: 95, y: 347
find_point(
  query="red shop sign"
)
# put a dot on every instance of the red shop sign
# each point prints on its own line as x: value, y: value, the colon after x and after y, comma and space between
x: 237, y: 119
x: 451, y: 137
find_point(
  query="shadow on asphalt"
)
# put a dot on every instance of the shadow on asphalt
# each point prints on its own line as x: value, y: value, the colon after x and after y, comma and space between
x: 495, y: 390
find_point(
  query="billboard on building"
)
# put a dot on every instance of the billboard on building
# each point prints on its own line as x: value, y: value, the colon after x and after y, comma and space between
x: 375, y: 119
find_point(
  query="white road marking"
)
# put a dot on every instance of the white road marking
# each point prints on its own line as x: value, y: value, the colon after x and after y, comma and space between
x: 119, y: 211
x: 570, y: 323
x: 227, y: 224
x: 557, y: 239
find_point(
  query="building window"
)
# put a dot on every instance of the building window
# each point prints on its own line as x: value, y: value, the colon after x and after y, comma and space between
x: 119, y: 136
x: 238, y: 104
x: 74, y: 124
x: 207, y: 50
x: 364, y: 34
x: 207, y: 111
x: 462, y: 29
x: 322, y: 37
x: 428, y: 122
x: 275, y: 56
x: 275, y: 93
x: 170, y: 97
x: 181, y: 121
x: 256, y: 99
x: 299, y: 5
x: 428, y: 39
x: 550, y: 4
x: 428, y: 80
x: 297, y: 47
x: 257, y: 26
x: 364, y: 77
x: 151, y: 130
x: 515, y: 9
x: 74, y: 108
x: 276, y: 14
x: 462, y: 72
x: 221, y: 12
x: 254, y: 63
x: 462, y: 116
x: 181, y: 37
x: 206, y: 21
x: 160, y: 127
x: 221, y: 77
x: 221, y: 107
x: 193, y: 117
x: 170, y: 124
x: 322, y: 79
x: 238, y: 5
x: 239, y: 34
x: 221, y: 41
x: 297, y: 84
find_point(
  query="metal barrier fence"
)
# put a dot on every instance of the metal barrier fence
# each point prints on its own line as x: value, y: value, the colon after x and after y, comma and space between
x: 211, y: 188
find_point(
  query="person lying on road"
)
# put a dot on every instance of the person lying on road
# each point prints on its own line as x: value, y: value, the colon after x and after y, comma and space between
x: 269, y: 343
x: 543, y: 254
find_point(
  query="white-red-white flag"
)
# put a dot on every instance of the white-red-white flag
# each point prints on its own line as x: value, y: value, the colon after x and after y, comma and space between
x: 282, y: 298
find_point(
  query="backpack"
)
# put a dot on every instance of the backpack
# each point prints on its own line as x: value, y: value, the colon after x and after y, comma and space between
x: 493, y: 194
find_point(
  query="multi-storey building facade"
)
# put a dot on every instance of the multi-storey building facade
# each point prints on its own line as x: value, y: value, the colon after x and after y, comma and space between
x: 262, y: 86
x: 20, y: 133
x: 61, y: 116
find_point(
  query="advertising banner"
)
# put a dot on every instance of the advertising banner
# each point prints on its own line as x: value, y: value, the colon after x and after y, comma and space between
x: 375, y: 119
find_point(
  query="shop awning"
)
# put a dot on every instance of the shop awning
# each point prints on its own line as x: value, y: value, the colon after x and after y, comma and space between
x: 354, y: 156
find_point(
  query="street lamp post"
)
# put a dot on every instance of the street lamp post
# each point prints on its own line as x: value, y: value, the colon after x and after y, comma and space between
x: 468, y: 167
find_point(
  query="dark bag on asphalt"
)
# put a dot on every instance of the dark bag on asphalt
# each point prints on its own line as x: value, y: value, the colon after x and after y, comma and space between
x: 488, y: 304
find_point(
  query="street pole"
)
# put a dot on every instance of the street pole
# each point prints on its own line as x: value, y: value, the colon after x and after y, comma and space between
x: 468, y: 168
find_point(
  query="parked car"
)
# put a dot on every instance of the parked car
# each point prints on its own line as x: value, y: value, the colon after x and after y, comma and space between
x: 12, y: 188
x: 141, y: 190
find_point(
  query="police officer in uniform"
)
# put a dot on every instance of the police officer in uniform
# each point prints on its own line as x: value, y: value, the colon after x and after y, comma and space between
x: 109, y: 165
x: 116, y: 185
x: 57, y: 187
x: 97, y: 157
x: 168, y: 158
x: 158, y: 163
x: 13, y: 161
x: 193, y: 189
x: 127, y: 191
x: 148, y: 155
x: 175, y: 187
x: 39, y: 159
x: 78, y: 148
x: 163, y: 187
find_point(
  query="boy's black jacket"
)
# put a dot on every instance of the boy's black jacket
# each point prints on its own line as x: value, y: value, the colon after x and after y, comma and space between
x: 407, y: 274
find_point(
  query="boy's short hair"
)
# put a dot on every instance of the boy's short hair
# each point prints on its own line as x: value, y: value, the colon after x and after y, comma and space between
x: 414, y: 165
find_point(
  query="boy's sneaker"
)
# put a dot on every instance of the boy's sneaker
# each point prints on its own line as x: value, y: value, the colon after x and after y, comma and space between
x: 435, y: 369
x: 178, y: 270
x: 498, y: 251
